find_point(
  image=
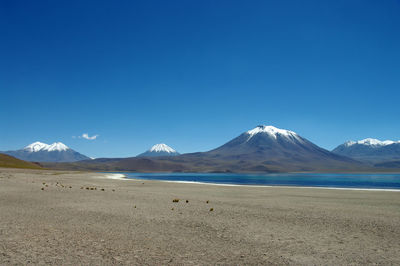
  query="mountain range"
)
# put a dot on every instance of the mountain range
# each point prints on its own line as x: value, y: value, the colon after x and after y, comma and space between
x: 261, y: 149
x: 370, y: 150
x: 42, y: 152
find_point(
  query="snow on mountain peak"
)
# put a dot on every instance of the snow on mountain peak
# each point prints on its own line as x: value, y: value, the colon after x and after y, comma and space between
x: 371, y: 142
x: 57, y: 146
x: 40, y: 146
x: 36, y: 146
x: 272, y: 131
x: 349, y: 143
x: 162, y: 148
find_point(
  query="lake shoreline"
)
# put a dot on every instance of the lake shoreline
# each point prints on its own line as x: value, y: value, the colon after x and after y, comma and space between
x: 88, y: 218
x: 370, y: 182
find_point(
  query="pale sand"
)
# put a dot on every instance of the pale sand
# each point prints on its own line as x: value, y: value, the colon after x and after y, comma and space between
x: 257, y: 225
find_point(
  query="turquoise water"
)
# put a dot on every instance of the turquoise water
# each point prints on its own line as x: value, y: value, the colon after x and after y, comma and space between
x: 372, y: 181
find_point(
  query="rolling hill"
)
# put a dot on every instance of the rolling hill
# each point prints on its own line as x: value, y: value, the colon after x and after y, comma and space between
x: 12, y: 162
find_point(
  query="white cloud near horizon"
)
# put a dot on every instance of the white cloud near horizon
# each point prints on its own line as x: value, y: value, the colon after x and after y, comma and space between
x: 86, y: 136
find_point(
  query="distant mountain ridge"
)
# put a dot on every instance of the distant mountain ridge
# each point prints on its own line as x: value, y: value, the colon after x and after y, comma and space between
x: 159, y: 150
x: 262, y: 149
x: 370, y: 150
x: 42, y: 152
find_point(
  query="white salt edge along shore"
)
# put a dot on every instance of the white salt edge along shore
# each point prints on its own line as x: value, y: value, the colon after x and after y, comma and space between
x: 123, y: 177
x: 258, y: 186
x: 112, y: 176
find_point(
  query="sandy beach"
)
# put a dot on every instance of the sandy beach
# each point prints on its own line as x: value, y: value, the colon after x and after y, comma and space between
x: 78, y: 218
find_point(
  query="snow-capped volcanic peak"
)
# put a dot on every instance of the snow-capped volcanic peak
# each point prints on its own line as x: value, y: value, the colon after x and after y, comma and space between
x: 42, y: 152
x: 272, y: 131
x: 162, y: 148
x: 57, y: 146
x: 36, y: 146
x: 371, y: 142
x: 40, y: 146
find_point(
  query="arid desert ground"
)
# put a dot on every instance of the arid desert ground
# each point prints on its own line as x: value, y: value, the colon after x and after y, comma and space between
x: 77, y: 218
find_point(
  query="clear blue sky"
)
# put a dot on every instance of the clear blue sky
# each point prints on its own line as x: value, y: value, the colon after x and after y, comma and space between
x: 194, y: 74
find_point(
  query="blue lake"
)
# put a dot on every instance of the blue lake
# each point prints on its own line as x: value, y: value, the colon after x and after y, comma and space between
x: 372, y: 181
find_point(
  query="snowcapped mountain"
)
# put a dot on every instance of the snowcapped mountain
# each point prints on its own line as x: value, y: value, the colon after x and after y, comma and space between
x: 273, y: 132
x: 271, y: 146
x: 42, y: 152
x: 57, y: 146
x: 371, y: 142
x: 159, y: 150
x: 36, y: 146
x: 39, y: 146
x: 370, y: 150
